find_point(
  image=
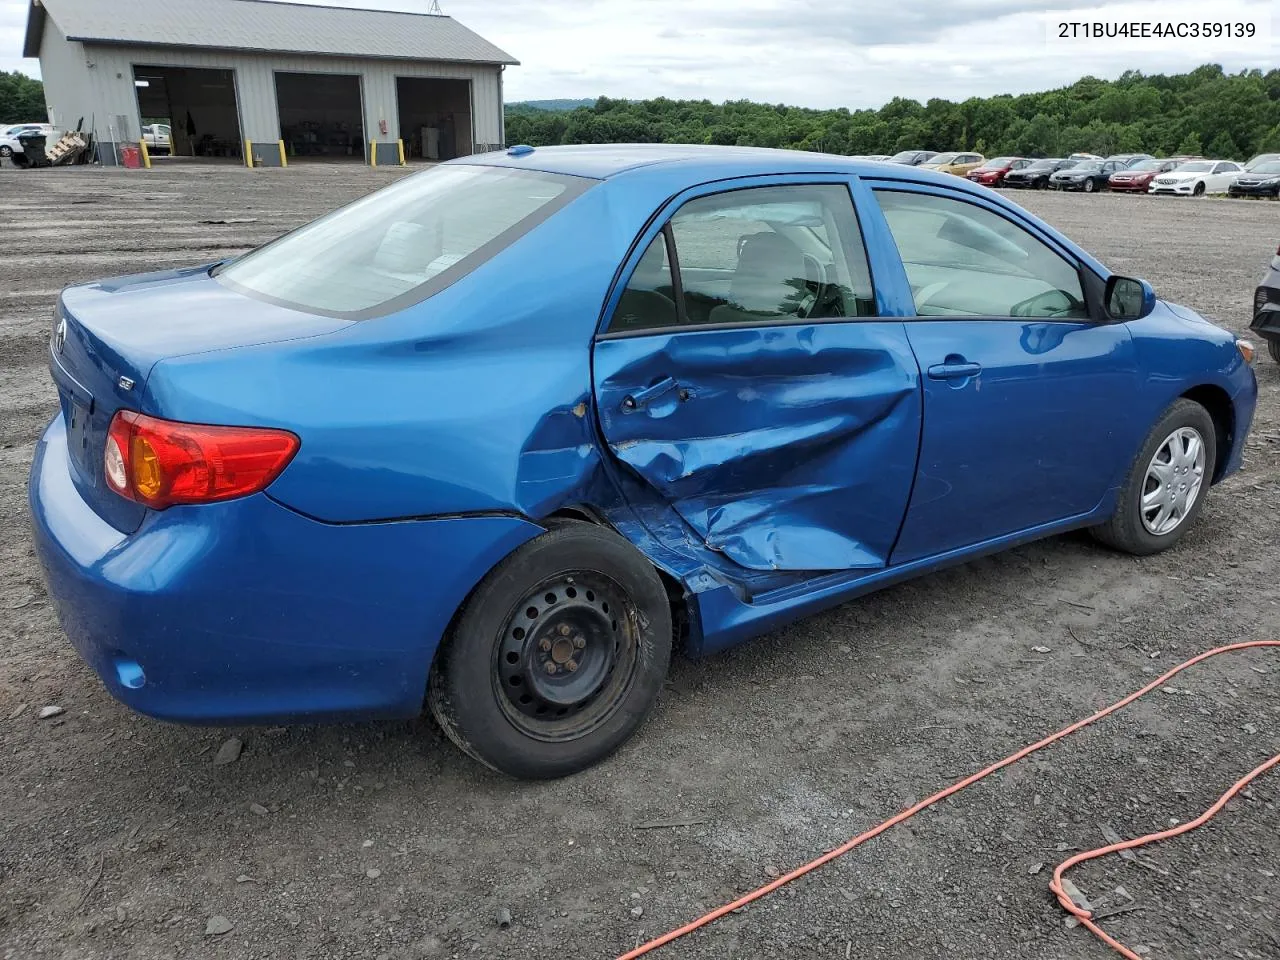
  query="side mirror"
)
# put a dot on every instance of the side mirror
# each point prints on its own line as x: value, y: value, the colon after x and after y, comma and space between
x: 1128, y: 299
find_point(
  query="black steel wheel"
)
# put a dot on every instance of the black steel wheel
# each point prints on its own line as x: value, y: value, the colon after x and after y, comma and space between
x: 1273, y: 348
x: 567, y: 656
x: 557, y: 657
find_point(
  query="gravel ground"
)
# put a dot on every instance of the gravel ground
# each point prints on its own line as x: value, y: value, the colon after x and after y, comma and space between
x: 122, y: 838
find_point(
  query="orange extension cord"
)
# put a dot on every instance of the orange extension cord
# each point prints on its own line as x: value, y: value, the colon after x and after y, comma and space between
x: 1056, y: 884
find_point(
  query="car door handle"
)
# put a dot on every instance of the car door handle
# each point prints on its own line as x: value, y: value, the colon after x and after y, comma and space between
x: 954, y: 370
x: 642, y: 398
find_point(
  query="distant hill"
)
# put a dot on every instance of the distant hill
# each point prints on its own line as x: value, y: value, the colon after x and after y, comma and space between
x: 1206, y: 111
x: 554, y: 105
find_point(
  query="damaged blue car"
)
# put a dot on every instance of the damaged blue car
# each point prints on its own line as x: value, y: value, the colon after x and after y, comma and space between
x: 499, y: 436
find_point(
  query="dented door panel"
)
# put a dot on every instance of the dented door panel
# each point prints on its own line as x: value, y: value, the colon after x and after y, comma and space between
x: 783, y: 447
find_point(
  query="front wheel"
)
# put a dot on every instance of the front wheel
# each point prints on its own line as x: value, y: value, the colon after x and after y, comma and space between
x: 1273, y: 348
x: 557, y: 657
x: 1199, y: 189
x: 1167, y: 483
x: 1089, y: 186
x: 6, y: 152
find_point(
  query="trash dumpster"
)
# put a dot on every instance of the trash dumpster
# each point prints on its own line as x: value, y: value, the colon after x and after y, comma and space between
x: 33, y: 154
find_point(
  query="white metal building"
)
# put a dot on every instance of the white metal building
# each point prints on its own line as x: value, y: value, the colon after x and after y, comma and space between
x: 269, y: 82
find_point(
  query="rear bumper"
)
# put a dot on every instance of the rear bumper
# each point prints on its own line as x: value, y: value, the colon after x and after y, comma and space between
x: 244, y: 611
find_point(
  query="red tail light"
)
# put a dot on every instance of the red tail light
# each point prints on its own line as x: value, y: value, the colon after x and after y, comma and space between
x: 161, y: 463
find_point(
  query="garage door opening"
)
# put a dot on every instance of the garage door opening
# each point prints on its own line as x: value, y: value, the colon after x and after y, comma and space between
x: 321, y: 116
x: 198, y: 107
x: 435, y: 117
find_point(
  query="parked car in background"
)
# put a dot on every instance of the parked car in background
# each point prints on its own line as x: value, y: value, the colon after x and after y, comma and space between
x: 1137, y: 178
x: 9, y: 144
x: 244, y: 514
x: 1266, y: 308
x: 913, y: 158
x: 954, y: 162
x: 1260, y: 158
x: 1035, y: 175
x: 1083, y: 156
x: 1262, y: 181
x: 1087, y: 175
x: 158, y: 138
x: 991, y: 173
x: 1196, y: 178
x: 1129, y: 159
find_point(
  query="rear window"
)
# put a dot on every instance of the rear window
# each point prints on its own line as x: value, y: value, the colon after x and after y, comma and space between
x: 403, y: 243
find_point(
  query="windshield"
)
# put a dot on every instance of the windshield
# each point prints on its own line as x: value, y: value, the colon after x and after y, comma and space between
x: 401, y: 244
x: 943, y: 158
x: 1085, y: 166
x: 1201, y: 166
x: 905, y: 155
x: 1044, y: 165
x: 1270, y: 166
x: 999, y: 163
x: 1149, y: 165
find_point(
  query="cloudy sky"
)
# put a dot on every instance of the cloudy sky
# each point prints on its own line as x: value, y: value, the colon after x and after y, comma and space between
x: 820, y: 53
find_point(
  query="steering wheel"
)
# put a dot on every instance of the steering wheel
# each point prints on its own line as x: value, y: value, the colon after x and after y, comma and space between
x: 928, y: 293
x: 1027, y: 307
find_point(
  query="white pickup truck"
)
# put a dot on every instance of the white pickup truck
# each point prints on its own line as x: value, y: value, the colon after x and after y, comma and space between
x: 158, y: 138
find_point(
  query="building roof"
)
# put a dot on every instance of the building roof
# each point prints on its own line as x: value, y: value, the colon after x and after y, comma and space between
x: 268, y: 27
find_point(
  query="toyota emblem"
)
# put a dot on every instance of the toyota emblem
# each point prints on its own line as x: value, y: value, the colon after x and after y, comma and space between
x: 60, y: 335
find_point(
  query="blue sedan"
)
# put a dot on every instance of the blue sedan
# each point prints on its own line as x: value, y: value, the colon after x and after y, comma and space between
x: 501, y: 435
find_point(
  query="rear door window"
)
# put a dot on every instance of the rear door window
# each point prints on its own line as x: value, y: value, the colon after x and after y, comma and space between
x: 403, y: 243
x: 760, y: 255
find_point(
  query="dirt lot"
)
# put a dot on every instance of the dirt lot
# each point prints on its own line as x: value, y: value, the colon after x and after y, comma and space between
x: 121, y: 838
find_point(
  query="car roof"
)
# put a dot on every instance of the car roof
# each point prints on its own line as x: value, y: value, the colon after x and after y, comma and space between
x: 604, y: 161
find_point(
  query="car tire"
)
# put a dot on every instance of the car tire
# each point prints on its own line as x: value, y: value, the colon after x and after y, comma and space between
x: 1090, y: 186
x: 1135, y: 529
x: 1198, y: 190
x: 1273, y: 348
x: 557, y: 657
x: 6, y: 152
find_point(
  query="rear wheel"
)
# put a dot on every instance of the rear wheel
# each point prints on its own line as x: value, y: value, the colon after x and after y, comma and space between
x: 557, y: 657
x: 6, y: 152
x: 1167, y: 482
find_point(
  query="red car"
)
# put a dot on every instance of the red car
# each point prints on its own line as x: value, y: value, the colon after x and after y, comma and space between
x: 1137, y: 178
x: 992, y: 172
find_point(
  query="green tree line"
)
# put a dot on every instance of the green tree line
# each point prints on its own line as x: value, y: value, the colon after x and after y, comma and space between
x: 21, y: 99
x: 1205, y: 112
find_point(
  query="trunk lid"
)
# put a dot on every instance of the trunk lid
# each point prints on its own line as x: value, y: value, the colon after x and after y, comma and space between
x: 107, y: 337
